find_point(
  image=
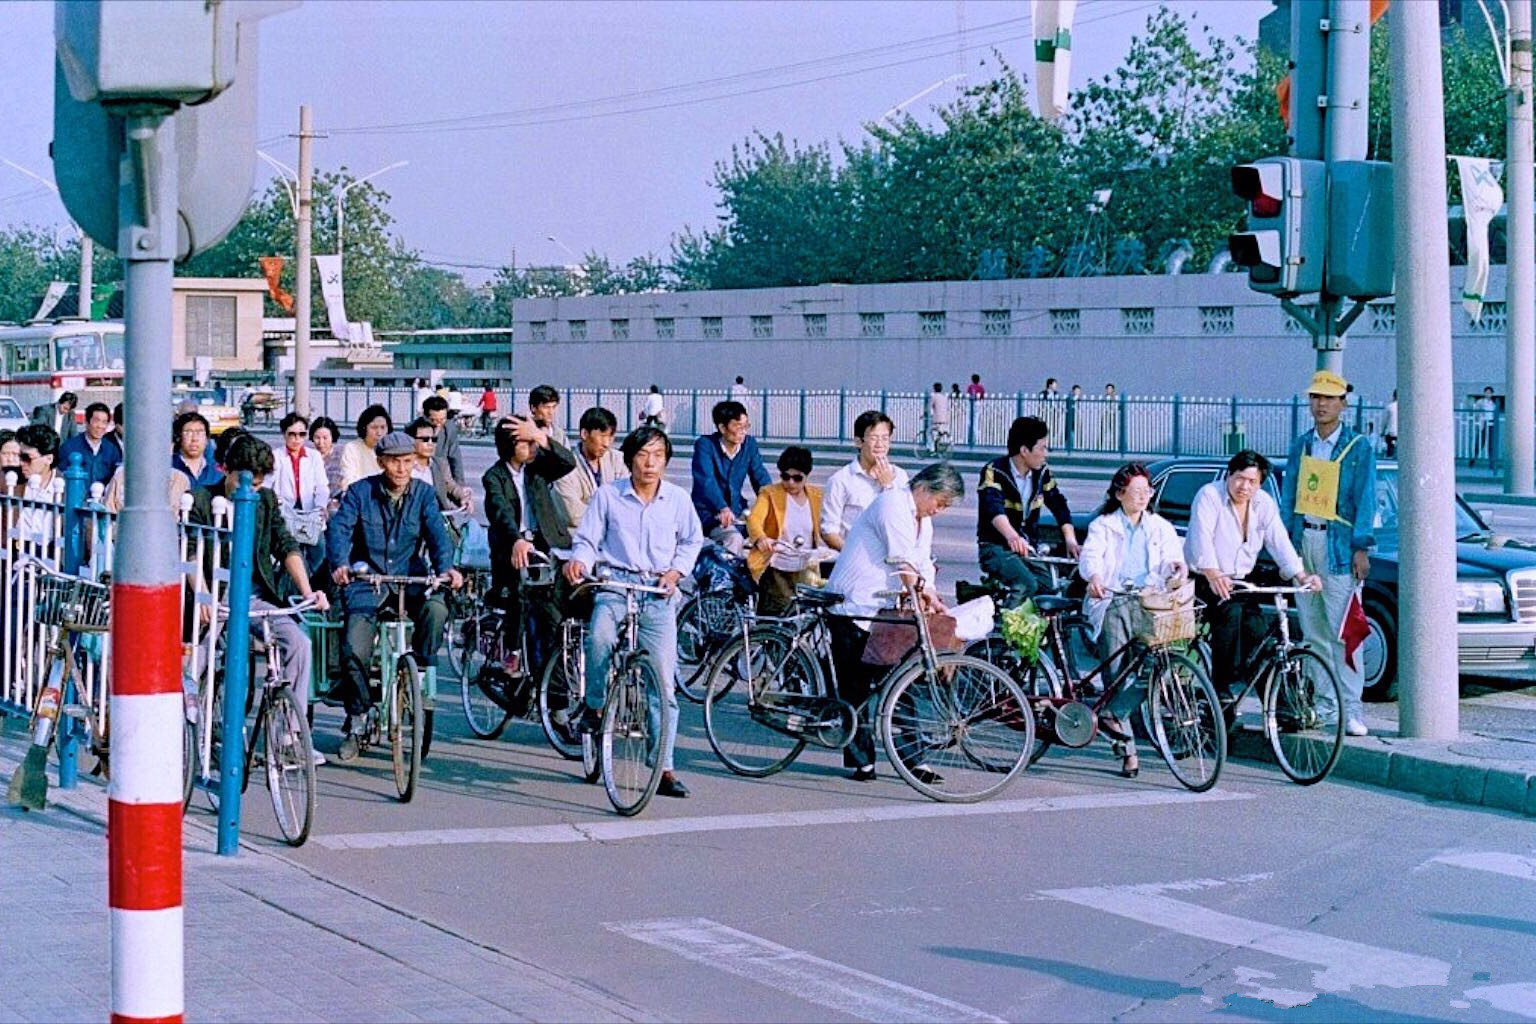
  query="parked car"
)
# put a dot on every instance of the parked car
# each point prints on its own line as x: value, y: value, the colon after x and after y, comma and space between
x: 12, y: 415
x: 212, y: 404
x: 1495, y: 578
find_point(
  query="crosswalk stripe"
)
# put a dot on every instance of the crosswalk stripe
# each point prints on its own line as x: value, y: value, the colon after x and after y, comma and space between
x: 1511, y: 864
x: 822, y: 982
x: 611, y: 829
x: 1344, y: 964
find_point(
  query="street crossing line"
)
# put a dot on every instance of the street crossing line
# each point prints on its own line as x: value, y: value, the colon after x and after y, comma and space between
x: 1345, y: 964
x: 1511, y: 864
x: 617, y: 829
x: 822, y: 982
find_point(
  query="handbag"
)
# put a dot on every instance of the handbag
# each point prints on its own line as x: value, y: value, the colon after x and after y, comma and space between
x: 474, y: 547
x: 306, y: 525
x: 891, y: 639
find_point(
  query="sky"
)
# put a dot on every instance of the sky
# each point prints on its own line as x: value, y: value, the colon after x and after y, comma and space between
x: 603, y: 137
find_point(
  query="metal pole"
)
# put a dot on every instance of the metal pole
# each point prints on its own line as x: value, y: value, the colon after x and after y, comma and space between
x: 237, y: 677
x: 301, y: 271
x: 1520, y: 263
x: 146, y: 706
x: 87, y: 274
x: 76, y: 480
x: 1427, y: 671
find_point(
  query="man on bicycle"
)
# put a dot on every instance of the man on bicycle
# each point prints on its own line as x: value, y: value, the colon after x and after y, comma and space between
x: 383, y: 523
x: 723, y: 462
x: 598, y: 462
x: 1231, y: 522
x: 636, y: 526
x: 1012, y: 491
x: 446, y: 429
x: 275, y: 547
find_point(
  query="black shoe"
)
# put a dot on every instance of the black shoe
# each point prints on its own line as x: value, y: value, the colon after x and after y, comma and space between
x: 671, y: 785
x: 349, y: 749
x: 863, y: 773
x: 927, y: 776
x: 590, y: 722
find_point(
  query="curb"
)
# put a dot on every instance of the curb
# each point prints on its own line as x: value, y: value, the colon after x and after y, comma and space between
x: 1423, y: 767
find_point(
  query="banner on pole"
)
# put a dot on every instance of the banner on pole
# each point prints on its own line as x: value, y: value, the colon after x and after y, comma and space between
x: 1053, y: 53
x: 329, y: 266
x: 272, y: 270
x: 51, y: 297
x: 1481, y: 198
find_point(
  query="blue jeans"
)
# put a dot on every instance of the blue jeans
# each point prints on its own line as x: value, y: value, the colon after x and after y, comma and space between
x: 658, y: 639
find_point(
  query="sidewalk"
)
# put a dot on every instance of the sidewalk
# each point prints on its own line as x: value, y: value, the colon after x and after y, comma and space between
x: 265, y: 939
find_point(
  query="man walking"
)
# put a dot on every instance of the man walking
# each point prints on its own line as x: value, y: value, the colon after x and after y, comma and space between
x: 97, y: 451
x: 1389, y: 426
x: 1329, y: 501
x: 59, y: 415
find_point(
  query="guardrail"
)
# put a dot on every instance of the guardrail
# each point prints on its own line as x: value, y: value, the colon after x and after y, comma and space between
x: 1123, y: 425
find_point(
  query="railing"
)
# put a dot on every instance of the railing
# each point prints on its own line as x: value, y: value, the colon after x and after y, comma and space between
x: 1123, y: 425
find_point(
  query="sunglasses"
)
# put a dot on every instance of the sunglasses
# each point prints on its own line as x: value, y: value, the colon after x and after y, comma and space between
x: 426, y: 439
x: 25, y: 458
x: 793, y: 477
x: 297, y: 433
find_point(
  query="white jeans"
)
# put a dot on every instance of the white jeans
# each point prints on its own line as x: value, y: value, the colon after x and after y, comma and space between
x: 1322, y: 615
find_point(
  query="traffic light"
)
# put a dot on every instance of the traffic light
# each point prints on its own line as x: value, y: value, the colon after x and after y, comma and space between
x: 1287, y: 224
x: 1361, y: 239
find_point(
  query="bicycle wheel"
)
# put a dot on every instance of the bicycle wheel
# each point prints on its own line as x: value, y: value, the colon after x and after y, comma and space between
x: 941, y: 446
x: 460, y: 616
x: 631, y: 739
x: 746, y: 670
x: 702, y: 623
x: 405, y: 727
x: 1185, y: 718
x: 559, y: 704
x: 959, y: 734
x: 1039, y: 682
x: 485, y: 717
x: 290, y: 767
x: 1305, y: 743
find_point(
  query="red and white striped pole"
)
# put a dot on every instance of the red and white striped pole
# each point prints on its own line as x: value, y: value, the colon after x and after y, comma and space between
x: 145, y: 711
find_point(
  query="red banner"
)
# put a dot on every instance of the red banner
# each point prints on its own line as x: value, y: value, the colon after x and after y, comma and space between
x: 272, y: 270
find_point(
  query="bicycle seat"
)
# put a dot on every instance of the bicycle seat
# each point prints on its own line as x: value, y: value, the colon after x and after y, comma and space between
x: 818, y: 597
x: 1054, y: 604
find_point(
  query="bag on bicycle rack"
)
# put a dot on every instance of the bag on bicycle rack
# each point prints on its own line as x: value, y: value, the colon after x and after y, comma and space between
x: 892, y: 638
x: 1165, y: 617
x: 474, y: 548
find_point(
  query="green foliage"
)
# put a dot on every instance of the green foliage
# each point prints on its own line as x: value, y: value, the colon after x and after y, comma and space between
x: 1024, y: 629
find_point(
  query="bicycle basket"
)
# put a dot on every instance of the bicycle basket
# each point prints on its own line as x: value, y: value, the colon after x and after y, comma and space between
x: 718, y: 615
x: 73, y: 602
x: 1167, y: 617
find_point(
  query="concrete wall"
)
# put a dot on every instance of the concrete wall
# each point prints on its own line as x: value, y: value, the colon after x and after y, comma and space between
x: 248, y: 295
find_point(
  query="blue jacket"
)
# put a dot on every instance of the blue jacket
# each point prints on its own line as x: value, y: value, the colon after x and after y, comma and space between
x: 210, y: 477
x: 717, y: 480
x: 100, y: 464
x: 1357, y: 498
x: 363, y: 531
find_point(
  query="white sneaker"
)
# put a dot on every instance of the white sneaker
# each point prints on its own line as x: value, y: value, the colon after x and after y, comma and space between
x: 1356, y: 727
x: 317, y: 759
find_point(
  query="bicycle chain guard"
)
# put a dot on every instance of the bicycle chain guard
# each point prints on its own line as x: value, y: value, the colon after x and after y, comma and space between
x: 1073, y: 723
x: 825, y: 721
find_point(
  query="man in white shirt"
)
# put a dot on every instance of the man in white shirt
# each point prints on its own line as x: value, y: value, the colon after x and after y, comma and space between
x: 739, y: 389
x: 854, y: 487
x: 1231, y: 523
x: 938, y: 412
x: 654, y: 412
x: 1389, y: 426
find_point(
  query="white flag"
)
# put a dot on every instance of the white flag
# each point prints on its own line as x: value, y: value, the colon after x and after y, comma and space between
x: 1481, y: 198
x: 329, y: 267
x: 51, y: 297
x: 1053, y: 53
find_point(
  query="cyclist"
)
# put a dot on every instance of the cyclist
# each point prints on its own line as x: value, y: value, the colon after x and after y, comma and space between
x: 938, y: 414
x: 524, y: 517
x: 723, y: 462
x: 654, y: 413
x: 1012, y: 491
x: 897, y: 525
x: 640, y: 525
x: 275, y: 547
x: 383, y: 523
x: 445, y: 429
x: 854, y: 487
x: 598, y: 462
x: 786, y: 512
x: 1230, y: 523
x: 544, y: 407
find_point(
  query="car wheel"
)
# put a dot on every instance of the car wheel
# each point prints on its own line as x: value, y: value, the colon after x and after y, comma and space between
x: 1379, y: 652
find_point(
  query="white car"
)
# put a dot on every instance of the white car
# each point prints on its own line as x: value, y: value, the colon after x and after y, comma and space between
x: 12, y: 416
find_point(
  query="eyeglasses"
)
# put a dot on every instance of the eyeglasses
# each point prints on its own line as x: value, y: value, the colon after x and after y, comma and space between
x: 426, y: 439
x: 792, y: 477
x: 25, y: 458
x: 296, y: 433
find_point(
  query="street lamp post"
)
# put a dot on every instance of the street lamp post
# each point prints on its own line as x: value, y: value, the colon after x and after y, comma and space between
x: 87, y: 247
x: 568, y: 250
x: 341, y: 200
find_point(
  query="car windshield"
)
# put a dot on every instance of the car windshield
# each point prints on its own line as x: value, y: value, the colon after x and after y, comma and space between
x: 10, y: 410
x: 1387, y: 503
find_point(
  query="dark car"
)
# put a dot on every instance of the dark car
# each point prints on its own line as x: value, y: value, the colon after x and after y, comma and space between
x: 1495, y: 581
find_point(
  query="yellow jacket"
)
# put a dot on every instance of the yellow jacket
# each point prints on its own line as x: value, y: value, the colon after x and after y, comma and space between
x: 767, y: 519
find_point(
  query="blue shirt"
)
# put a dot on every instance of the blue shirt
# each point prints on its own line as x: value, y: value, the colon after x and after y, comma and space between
x: 623, y: 531
x: 718, y: 478
x: 1134, y: 568
x: 99, y: 464
x: 209, y: 476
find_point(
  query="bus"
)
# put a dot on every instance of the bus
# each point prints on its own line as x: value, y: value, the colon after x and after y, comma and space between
x: 41, y: 361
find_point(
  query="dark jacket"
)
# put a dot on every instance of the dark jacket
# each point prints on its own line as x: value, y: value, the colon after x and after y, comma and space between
x: 717, y: 480
x: 209, y: 477
x: 504, y: 512
x: 273, y: 541
x: 997, y: 494
x: 366, y: 529
x: 46, y: 413
x: 447, y: 451
x: 100, y: 464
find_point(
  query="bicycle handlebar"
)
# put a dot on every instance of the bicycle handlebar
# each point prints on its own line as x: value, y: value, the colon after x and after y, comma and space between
x: 305, y: 605
x: 602, y: 581
x: 380, y: 580
x: 1245, y: 587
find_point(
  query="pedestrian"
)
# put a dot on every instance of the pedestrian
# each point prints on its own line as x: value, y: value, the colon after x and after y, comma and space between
x: 445, y: 431
x: 1486, y: 415
x: 487, y: 406
x: 1329, y: 500
x: 598, y: 462
x: 954, y: 394
x: 10, y: 451
x: 1073, y: 398
x: 739, y: 389
x: 1389, y: 426
x: 975, y: 389
x: 855, y: 487
x: 784, y: 527
x: 654, y: 412
x: 1109, y: 419
x: 358, y: 458
x: 190, y: 456
x: 723, y: 463
x: 1012, y: 492
x: 938, y: 414
x: 423, y: 392
x: 98, y: 452
x: 323, y: 434
x: 59, y: 415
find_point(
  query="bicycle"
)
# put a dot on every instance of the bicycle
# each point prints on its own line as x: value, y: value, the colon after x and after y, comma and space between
x: 281, y: 727
x: 723, y: 593
x: 1293, y: 681
x: 955, y: 727
x: 932, y: 443
x: 407, y: 692
x: 562, y: 693
x: 490, y: 697
x: 79, y: 611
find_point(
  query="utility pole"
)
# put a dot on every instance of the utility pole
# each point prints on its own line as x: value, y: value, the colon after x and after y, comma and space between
x: 301, y: 280
x: 1346, y: 131
x: 1520, y: 262
x: 1427, y: 669
x: 87, y: 274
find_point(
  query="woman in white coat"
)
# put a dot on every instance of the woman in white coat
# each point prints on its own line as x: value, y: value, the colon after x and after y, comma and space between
x: 1127, y: 548
x: 302, y: 488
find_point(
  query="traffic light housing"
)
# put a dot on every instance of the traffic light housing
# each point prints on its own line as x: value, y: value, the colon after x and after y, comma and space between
x: 1286, y: 236
x: 1361, y: 239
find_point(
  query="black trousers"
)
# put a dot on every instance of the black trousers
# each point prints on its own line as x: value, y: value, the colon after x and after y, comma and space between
x: 1021, y: 578
x: 535, y: 607
x: 856, y: 682
x: 1237, y: 627
x: 427, y: 618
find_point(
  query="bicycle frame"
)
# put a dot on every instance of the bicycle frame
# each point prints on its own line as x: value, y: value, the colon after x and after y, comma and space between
x: 1272, y: 648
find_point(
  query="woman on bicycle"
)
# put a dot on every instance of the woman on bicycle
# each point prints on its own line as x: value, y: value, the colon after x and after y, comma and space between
x: 788, y: 511
x: 1128, y: 548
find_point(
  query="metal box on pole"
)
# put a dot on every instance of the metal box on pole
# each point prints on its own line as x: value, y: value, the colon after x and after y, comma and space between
x: 1360, y: 230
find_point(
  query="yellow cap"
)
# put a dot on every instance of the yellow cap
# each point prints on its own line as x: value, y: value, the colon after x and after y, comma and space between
x: 1326, y: 382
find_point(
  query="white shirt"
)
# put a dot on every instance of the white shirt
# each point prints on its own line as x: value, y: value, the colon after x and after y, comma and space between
x: 520, y: 482
x: 1216, y: 539
x: 938, y: 408
x: 888, y: 529
x: 738, y: 391
x: 797, y: 523
x: 850, y: 491
x: 1389, y: 419
x: 653, y: 404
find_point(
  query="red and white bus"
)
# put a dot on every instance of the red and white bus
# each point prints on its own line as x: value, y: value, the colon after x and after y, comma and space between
x: 39, y: 362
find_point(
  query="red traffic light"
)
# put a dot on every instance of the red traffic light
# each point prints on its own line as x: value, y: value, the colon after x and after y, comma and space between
x: 1262, y: 185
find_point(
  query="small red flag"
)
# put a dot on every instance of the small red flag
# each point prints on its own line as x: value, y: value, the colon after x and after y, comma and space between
x: 1354, y: 629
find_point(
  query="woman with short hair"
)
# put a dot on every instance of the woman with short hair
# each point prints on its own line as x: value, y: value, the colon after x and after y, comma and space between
x: 788, y: 512
x: 358, y: 458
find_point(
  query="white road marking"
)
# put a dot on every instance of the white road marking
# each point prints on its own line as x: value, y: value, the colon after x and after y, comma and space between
x: 1284, y: 998
x: 822, y: 982
x: 1509, y: 864
x: 1345, y: 964
x: 1517, y: 998
x: 615, y: 829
